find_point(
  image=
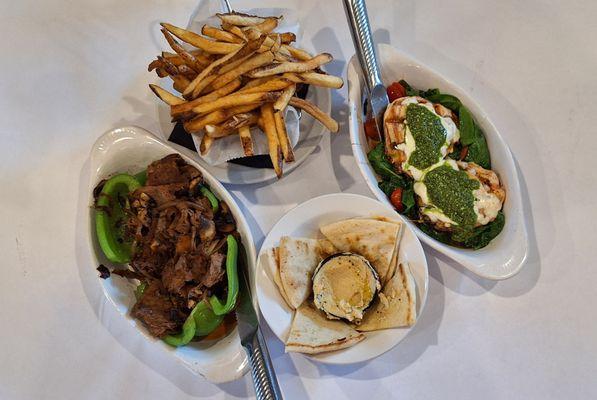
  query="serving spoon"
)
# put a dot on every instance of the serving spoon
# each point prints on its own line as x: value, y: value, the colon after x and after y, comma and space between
x: 360, y: 29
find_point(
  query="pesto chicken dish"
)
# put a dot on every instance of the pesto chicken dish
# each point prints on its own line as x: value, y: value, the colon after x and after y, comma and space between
x: 434, y: 165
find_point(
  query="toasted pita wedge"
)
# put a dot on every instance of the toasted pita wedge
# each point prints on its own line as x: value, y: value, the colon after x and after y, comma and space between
x: 326, y: 248
x: 395, y: 256
x: 311, y: 332
x: 298, y: 259
x: 396, y: 305
x: 273, y: 261
x: 373, y: 239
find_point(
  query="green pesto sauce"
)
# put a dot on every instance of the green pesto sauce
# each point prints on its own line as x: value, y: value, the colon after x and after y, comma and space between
x: 452, y: 192
x: 429, y: 134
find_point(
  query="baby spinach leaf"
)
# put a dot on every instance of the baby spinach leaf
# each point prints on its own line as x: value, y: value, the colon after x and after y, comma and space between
x: 409, y: 90
x: 467, y: 127
x: 408, y: 200
x: 428, y: 93
x: 478, y: 152
x: 446, y: 100
x: 380, y: 164
x: 482, y: 235
x: 444, y: 237
x: 471, y: 136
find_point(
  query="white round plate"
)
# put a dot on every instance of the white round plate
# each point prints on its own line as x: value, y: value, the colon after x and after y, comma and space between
x: 131, y: 149
x: 311, y: 131
x: 304, y: 221
x: 506, y: 254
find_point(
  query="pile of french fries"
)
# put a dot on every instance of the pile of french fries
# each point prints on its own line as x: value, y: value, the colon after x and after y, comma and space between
x: 237, y: 76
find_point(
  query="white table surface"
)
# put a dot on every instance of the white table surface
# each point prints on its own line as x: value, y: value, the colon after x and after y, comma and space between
x: 71, y: 70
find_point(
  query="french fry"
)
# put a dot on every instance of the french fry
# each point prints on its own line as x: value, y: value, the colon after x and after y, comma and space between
x: 279, y: 57
x: 269, y: 128
x: 201, y: 86
x: 252, y: 63
x: 268, y: 25
x: 246, y: 50
x: 200, y: 42
x: 205, y: 145
x: 299, y: 54
x: 258, y: 81
x: 316, y: 79
x: 187, y: 71
x: 180, y: 82
x: 277, y: 43
x: 246, y: 141
x: 231, y: 65
x: 155, y: 64
x: 233, y: 100
x: 188, y: 58
x: 283, y: 137
x: 269, y: 86
x: 186, y: 107
x: 284, y: 98
x: 315, y: 112
x: 197, y: 124
x: 190, y: 92
x: 302, y: 66
x: 170, y: 68
x: 235, y: 30
x: 161, y: 72
x: 239, y: 19
x: 286, y: 37
x: 231, y: 125
x: 219, y: 34
x: 166, y: 96
x: 252, y: 33
x: 198, y: 54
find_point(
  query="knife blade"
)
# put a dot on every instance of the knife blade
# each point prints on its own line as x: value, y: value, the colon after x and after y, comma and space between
x: 251, y: 338
x: 360, y: 29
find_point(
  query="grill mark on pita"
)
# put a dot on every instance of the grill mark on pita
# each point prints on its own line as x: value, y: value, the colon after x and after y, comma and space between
x: 403, y: 277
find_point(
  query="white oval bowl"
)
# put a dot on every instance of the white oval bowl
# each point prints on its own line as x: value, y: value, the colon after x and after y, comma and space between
x: 131, y: 149
x: 506, y: 254
x: 304, y: 221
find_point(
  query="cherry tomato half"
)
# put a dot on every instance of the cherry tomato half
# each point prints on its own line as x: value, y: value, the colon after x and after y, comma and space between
x: 371, y: 129
x: 395, y: 91
x: 396, y: 199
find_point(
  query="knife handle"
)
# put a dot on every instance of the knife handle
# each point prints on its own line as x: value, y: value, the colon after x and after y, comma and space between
x: 360, y: 29
x: 264, y: 376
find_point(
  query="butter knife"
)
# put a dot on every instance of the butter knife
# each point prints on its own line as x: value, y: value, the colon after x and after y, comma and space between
x: 251, y: 338
x: 360, y: 29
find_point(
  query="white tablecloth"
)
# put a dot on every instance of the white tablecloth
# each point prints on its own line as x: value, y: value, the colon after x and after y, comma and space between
x: 73, y: 69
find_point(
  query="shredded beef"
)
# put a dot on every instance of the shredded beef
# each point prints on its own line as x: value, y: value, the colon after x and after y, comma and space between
x: 179, y: 244
x: 158, y: 312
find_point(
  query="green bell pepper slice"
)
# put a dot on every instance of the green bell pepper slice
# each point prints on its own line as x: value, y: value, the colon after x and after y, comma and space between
x: 141, y: 177
x: 220, y: 308
x: 200, y: 322
x: 188, y: 331
x: 109, y: 215
x: 213, y: 200
x: 205, y: 319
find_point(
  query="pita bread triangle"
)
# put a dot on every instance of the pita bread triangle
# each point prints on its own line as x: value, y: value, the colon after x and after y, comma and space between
x: 396, y: 305
x: 311, y: 332
x: 273, y: 259
x: 371, y: 238
x: 298, y: 259
x: 395, y: 256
